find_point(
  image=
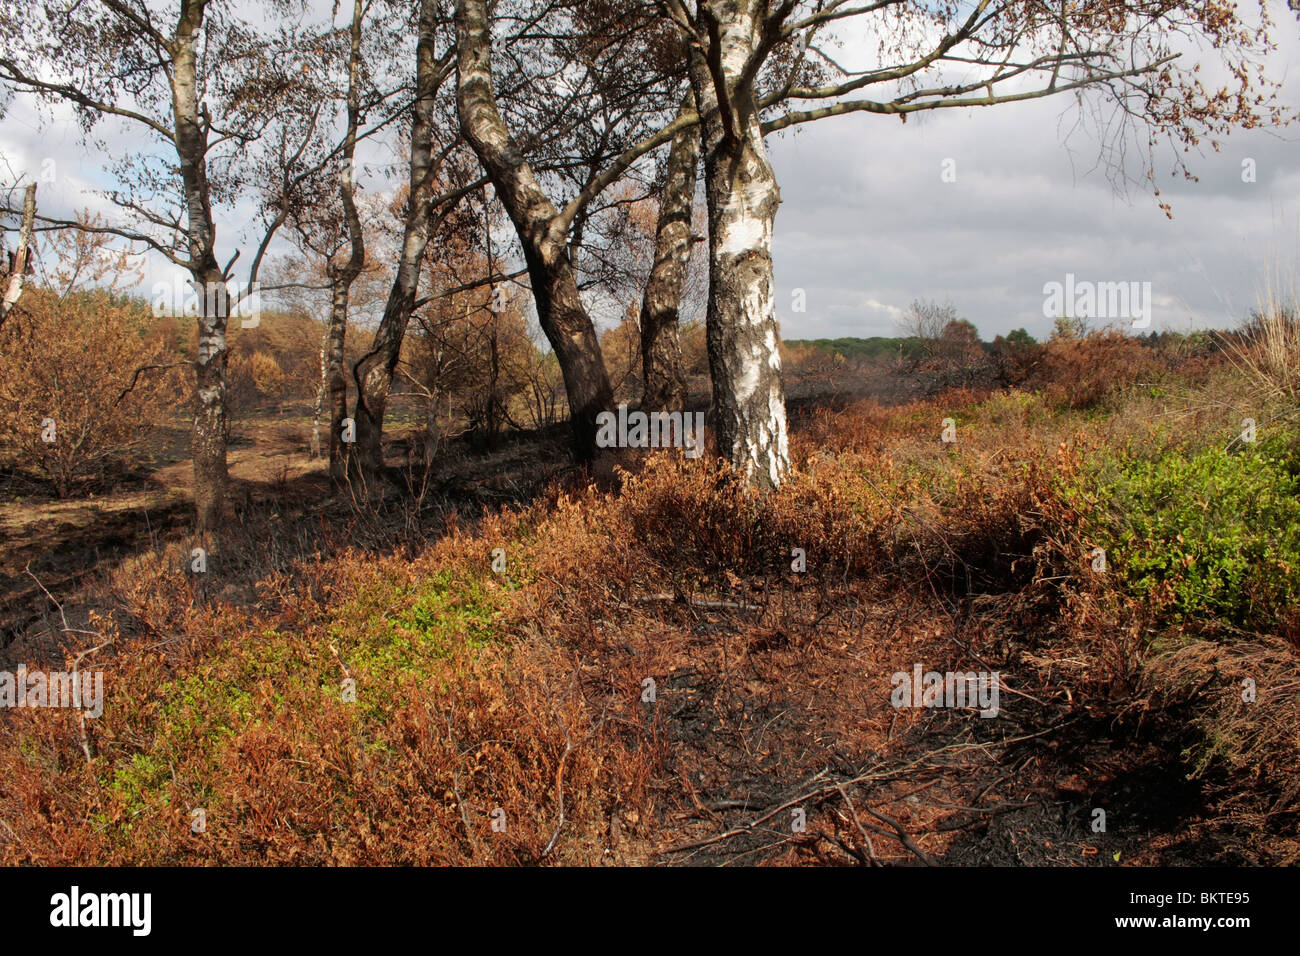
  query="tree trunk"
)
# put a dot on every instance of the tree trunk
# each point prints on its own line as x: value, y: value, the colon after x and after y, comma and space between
x: 661, y: 352
x: 494, y: 380
x: 432, y: 433
x: 342, y: 277
x: 321, y: 391
x: 336, y: 385
x: 211, y: 426
x: 21, y: 255
x: 743, y: 340
x: 374, y: 371
x: 211, y: 429
x: 573, y: 337
x: 560, y: 311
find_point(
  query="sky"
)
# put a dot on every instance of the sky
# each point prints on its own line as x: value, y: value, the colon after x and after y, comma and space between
x: 868, y: 223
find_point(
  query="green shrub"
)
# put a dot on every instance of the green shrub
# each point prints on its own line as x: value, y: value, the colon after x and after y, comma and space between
x: 1205, y: 533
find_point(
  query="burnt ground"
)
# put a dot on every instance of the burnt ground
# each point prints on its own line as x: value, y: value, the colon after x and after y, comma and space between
x: 68, y: 542
x: 771, y: 726
x: 767, y: 721
x: 71, y: 546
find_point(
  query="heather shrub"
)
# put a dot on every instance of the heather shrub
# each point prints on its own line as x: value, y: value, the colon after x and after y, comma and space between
x: 79, y: 390
x: 1205, y: 533
x: 1015, y: 357
x: 1081, y: 373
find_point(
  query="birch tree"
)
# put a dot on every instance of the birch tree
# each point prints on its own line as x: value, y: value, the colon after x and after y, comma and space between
x: 203, y: 85
x: 661, y: 351
x: 19, y: 263
x: 342, y: 272
x: 328, y: 224
x: 550, y: 233
x: 1131, y: 60
x: 430, y: 144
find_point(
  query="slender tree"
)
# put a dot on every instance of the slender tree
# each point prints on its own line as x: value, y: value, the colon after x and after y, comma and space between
x: 661, y: 351
x: 550, y: 234
x: 333, y: 231
x: 746, y: 63
x: 206, y: 86
x: 428, y: 152
x: 17, y: 267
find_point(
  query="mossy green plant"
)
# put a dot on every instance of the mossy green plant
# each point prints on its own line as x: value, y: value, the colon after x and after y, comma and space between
x: 1213, y: 532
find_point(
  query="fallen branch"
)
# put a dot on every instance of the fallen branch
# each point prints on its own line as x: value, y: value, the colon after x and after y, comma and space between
x: 748, y: 827
x: 694, y: 601
x: 76, y: 663
x: 866, y: 839
x: 903, y: 836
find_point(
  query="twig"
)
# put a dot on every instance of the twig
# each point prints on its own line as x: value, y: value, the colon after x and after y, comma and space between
x: 866, y: 840
x: 81, y: 715
x: 903, y: 835
x: 568, y: 749
x: 145, y: 368
x: 455, y: 782
x: 559, y: 792
x: 334, y: 651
